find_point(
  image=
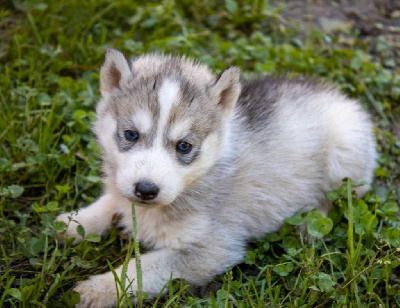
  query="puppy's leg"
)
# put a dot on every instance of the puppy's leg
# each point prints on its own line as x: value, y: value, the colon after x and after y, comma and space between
x: 196, y: 266
x: 96, y: 218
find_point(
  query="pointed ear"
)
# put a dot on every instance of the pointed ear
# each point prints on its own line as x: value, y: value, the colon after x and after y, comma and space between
x: 114, y: 71
x: 226, y: 89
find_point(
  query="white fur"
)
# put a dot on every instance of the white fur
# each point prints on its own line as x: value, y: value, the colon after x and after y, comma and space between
x: 105, y: 128
x: 168, y: 95
x: 178, y: 131
x: 142, y: 121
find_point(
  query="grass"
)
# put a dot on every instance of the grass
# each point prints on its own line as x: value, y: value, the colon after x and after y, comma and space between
x: 49, y: 59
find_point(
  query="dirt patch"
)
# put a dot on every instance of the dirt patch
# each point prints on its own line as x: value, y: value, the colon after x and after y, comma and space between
x: 376, y: 21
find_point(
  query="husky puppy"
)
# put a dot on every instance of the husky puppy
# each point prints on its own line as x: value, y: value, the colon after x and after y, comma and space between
x: 211, y: 163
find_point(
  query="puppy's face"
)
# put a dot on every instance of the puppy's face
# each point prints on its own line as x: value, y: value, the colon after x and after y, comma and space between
x: 160, y: 130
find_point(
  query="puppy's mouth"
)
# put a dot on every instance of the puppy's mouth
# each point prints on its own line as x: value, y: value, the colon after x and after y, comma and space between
x: 144, y: 203
x: 149, y: 204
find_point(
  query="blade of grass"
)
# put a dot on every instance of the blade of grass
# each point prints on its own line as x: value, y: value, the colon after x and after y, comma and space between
x: 121, y: 283
x: 350, y: 232
x: 137, y: 259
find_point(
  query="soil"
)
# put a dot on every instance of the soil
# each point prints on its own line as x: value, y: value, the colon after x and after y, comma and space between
x: 376, y: 21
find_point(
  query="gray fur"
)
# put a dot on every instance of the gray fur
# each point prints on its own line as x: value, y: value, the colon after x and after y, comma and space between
x: 256, y: 159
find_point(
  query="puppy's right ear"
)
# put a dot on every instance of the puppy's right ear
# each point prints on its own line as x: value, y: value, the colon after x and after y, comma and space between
x: 114, y: 71
x: 226, y: 89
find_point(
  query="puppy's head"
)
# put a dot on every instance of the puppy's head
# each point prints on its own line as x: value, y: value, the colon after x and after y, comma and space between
x: 162, y: 123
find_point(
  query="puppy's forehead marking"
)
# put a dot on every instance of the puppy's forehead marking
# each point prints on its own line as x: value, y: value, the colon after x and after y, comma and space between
x: 168, y: 96
x: 142, y: 120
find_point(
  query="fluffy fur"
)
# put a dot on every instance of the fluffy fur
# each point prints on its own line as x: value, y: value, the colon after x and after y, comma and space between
x: 261, y: 151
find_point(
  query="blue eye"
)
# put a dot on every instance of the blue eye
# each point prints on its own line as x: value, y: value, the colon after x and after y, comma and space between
x: 183, y: 147
x: 131, y: 135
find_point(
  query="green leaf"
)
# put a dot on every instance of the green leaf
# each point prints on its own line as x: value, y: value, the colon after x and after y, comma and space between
x: 392, y: 236
x: 290, y: 244
x: 361, y: 183
x: 4, y: 191
x: 15, y: 190
x: 66, y: 83
x: 283, y: 269
x: 368, y: 221
x: 325, y: 281
x: 315, y: 288
x: 43, y: 99
x: 35, y: 246
x: 57, y: 304
x: 71, y: 298
x: 36, y: 261
x: 250, y: 257
x: 332, y: 195
x: 382, y: 193
x: 296, y: 220
x: 324, y: 225
x: 388, y: 209
x: 266, y: 246
x: 272, y: 237
x: 63, y: 188
x: 15, y: 293
x: 93, y: 237
x: 40, y: 6
x: 285, y: 230
x: 59, y: 226
x: 312, y: 218
x: 93, y: 179
x: 231, y: 6
x: 317, y: 225
x: 37, y: 208
x: 80, y: 230
x: 65, y: 161
x: 148, y: 23
x: 360, y: 209
x: 83, y: 263
x: 4, y: 164
x: 26, y: 292
x: 52, y: 206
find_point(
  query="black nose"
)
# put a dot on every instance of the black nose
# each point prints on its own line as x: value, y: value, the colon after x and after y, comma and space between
x: 146, y: 190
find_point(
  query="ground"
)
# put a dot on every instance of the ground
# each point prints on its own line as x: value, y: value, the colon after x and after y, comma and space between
x: 371, y: 18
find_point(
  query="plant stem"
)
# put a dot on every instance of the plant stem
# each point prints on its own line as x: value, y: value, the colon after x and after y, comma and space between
x: 350, y: 231
x: 350, y: 219
x: 137, y: 259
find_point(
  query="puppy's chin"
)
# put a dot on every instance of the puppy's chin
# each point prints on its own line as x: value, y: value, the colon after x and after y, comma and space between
x: 150, y: 204
x: 146, y: 204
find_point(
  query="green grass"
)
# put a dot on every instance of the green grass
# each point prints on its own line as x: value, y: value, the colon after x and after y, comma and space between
x: 49, y: 59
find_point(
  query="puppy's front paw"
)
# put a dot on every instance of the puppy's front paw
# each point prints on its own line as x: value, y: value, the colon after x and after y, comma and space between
x: 97, y: 291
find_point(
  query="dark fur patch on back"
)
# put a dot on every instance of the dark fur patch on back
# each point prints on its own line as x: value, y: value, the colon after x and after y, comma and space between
x: 259, y: 97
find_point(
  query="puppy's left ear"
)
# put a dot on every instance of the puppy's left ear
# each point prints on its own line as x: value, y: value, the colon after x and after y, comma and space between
x: 114, y: 71
x: 226, y: 89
